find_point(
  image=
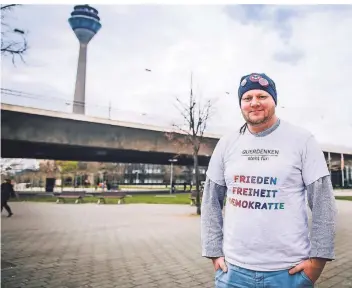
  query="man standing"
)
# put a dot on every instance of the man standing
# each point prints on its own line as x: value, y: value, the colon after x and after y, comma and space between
x: 6, y: 193
x: 263, y: 170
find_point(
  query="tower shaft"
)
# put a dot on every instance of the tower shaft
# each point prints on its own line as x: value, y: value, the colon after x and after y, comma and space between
x: 85, y: 22
x: 79, y: 98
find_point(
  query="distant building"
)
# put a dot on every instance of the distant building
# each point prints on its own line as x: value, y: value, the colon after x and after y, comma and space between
x: 339, y: 161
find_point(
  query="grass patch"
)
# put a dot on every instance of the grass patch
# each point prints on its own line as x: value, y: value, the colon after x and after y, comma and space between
x: 348, y: 198
x: 151, y: 187
x: 135, y: 199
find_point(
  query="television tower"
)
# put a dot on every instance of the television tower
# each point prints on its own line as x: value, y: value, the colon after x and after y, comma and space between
x: 85, y: 22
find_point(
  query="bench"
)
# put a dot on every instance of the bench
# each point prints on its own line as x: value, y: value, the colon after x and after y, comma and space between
x: 193, y: 197
x: 119, y: 195
x: 73, y: 195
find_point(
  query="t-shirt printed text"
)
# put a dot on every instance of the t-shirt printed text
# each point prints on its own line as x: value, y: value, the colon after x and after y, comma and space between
x: 261, y: 193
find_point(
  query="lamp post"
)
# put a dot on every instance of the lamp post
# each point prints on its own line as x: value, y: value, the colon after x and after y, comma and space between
x: 137, y: 174
x: 171, y: 168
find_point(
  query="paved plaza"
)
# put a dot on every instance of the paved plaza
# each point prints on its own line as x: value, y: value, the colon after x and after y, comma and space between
x: 134, y: 245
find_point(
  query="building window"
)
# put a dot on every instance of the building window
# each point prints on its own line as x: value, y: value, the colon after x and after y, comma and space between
x: 201, y: 171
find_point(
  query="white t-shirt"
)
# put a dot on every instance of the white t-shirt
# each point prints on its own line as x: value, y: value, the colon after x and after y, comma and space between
x: 266, y: 222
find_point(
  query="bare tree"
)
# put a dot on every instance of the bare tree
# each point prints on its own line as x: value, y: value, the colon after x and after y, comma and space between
x: 195, y: 116
x: 48, y: 167
x: 9, y: 166
x: 13, y: 40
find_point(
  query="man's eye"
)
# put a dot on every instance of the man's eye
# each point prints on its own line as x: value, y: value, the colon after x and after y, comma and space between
x: 262, y: 97
x: 247, y: 99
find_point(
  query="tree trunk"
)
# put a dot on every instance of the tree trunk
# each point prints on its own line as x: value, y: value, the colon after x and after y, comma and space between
x: 74, y: 181
x: 196, y: 170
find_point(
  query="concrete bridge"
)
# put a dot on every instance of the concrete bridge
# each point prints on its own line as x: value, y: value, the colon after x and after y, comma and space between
x: 43, y: 134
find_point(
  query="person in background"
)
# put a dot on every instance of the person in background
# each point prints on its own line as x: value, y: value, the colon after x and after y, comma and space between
x: 7, y: 192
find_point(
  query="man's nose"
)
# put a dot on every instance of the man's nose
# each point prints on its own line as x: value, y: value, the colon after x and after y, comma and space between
x: 255, y: 102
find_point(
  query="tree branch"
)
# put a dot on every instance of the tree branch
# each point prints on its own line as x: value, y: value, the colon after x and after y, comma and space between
x: 8, y: 6
x: 195, y: 115
x: 181, y: 129
x: 183, y: 112
x: 205, y: 116
x: 9, y: 46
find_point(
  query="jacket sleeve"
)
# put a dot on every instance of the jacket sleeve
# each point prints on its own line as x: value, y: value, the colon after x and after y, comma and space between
x: 322, y: 203
x: 212, y: 219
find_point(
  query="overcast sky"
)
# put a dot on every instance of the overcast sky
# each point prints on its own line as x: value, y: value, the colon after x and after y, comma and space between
x: 305, y: 49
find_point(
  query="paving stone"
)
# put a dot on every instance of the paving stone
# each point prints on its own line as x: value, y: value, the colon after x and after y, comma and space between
x: 124, y: 246
x: 332, y: 282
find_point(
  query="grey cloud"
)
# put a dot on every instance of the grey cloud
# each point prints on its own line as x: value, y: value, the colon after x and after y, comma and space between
x: 291, y: 57
x: 247, y: 14
x: 270, y: 16
x: 279, y: 17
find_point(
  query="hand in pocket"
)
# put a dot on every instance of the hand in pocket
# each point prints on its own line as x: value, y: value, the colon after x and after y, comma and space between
x: 219, y: 263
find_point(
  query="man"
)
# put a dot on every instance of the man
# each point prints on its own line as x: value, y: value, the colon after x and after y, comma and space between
x: 264, y: 170
x: 6, y: 193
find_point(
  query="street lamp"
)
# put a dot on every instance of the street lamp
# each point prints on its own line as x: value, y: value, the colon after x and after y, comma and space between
x: 171, y: 167
x: 137, y: 174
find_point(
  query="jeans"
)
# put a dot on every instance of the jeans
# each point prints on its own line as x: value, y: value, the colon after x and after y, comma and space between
x: 243, y: 278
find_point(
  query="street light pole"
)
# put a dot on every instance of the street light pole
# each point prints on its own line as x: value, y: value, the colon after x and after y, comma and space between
x: 171, y: 167
x: 137, y: 174
x: 109, y: 109
x: 171, y: 179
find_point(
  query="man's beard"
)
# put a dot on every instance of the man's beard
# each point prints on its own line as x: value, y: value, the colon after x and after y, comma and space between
x: 257, y: 122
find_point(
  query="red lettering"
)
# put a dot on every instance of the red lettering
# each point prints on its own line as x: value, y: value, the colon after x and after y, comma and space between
x: 238, y: 203
x: 242, y: 179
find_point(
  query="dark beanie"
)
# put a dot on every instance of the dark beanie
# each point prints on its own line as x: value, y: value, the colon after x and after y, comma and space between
x: 257, y: 81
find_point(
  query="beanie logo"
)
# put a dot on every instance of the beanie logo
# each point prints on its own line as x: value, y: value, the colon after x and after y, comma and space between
x: 244, y: 82
x: 263, y: 82
x: 254, y: 77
